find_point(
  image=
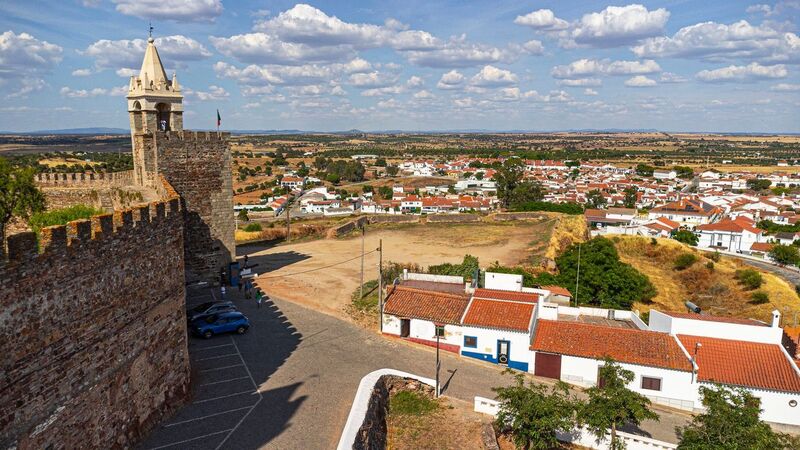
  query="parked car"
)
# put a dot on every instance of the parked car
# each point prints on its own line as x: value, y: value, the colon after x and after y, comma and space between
x: 225, y: 322
x: 209, y: 308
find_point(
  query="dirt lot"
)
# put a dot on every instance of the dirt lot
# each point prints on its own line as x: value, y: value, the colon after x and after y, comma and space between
x: 329, y: 290
x: 452, y: 426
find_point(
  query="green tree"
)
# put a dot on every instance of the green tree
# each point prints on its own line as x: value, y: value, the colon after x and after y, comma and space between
x: 533, y: 414
x: 604, y: 281
x: 392, y: 170
x: 785, y: 255
x: 595, y: 199
x: 279, y: 160
x: 380, y: 162
x: 685, y: 236
x: 730, y: 421
x: 526, y: 192
x: 758, y: 184
x: 684, y: 172
x: 367, y: 188
x: 19, y: 197
x: 385, y: 192
x: 243, y: 215
x: 631, y: 196
x: 645, y: 170
x: 507, y: 177
x: 614, y: 405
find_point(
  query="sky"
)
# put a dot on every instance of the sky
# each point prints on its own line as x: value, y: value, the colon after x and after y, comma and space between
x: 725, y: 66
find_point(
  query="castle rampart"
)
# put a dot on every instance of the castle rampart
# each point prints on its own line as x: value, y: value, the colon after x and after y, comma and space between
x: 93, y: 349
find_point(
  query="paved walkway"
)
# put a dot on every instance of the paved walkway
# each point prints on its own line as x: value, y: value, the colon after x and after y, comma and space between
x: 289, y: 382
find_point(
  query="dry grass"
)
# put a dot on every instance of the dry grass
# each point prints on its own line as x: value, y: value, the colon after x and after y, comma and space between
x: 279, y: 232
x: 452, y: 426
x: 715, y: 290
x: 568, y: 230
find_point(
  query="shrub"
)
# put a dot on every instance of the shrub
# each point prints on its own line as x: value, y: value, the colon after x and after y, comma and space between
x: 759, y: 298
x: 61, y: 216
x: 749, y: 278
x: 252, y: 227
x: 684, y: 261
x: 785, y: 254
x: 710, y: 265
x: 714, y: 256
x: 685, y: 236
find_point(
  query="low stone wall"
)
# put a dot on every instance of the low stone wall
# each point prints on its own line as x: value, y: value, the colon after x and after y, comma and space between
x: 454, y: 218
x: 394, y: 218
x: 347, y: 228
x: 502, y: 217
x: 372, y: 433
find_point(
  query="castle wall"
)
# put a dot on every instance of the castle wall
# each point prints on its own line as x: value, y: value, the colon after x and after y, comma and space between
x: 198, y: 166
x: 106, y: 191
x: 93, y: 347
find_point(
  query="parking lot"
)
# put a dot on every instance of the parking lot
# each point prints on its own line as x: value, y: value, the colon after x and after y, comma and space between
x: 288, y: 383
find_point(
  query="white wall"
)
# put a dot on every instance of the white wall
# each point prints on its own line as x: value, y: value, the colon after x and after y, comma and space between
x: 722, y: 330
x: 487, y: 343
x: 775, y: 406
x: 503, y: 281
x: 677, y: 389
x: 391, y: 324
x: 423, y: 329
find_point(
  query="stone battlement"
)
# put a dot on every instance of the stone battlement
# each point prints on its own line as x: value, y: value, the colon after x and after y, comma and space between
x: 22, y: 246
x: 85, y: 179
x: 186, y: 135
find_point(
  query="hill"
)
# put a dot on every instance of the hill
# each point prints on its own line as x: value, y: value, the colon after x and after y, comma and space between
x: 713, y: 288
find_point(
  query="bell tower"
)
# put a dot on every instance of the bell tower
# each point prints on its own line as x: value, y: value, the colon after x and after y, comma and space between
x: 155, y: 103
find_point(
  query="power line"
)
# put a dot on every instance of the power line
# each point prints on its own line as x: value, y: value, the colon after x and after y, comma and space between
x: 318, y: 268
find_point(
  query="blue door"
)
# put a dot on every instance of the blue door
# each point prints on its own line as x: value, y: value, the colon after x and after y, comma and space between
x: 503, y: 351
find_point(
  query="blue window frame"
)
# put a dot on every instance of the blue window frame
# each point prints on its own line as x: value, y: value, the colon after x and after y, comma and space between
x: 471, y: 341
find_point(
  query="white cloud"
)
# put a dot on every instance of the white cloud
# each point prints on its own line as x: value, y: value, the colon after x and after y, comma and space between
x: 127, y: 73
x: 423, y: 94
x: 214, y: 93
x: 491, y: 76
x: 415, y: 81
x: 372, y: 79
x: 579, y: 82
x: 175, y: 10
x: 785, y: 87
x: 778, y: 9
x: 263, y: 48
x: 459, y: 53
x: 451, y: 80
x: 81, y: 72
x: 669, y: 77
x: 27, y: 86
x: 338, y: 91
x: 640, y: 81
x: 22, y: 55
x: 382, y: 91
x: 542, y: 20
x: 129, y: 53
x: 589, y: 91
x: 357, y: 65
x: 720, y: 42
x: 750, y: 72
x: 533, y: 47
x: 587, y: 67
x: 618, y: 25
x: 96, y: 92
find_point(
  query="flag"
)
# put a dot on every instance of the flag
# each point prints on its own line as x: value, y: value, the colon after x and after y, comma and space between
x: 219, y: 119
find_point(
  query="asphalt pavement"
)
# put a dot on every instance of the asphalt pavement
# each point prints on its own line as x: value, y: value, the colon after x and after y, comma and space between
x: 289, y: 382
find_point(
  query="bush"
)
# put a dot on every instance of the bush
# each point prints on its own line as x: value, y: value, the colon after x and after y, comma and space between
x: 785, y: 255
x: 566, y: 208
x: 749, y: 278
x: 466, y: 269
x: 710, y: 265
x: 685, y: 236
x: 684, y: 261
x: 62, y: 216
x: 252, y: 227
x: 759, y: 298
x: 714, y: 256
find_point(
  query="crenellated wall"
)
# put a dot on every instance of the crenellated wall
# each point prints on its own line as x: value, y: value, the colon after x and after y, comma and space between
x: 107, y: 191
x: 93, y: 347
x: 198, y: 165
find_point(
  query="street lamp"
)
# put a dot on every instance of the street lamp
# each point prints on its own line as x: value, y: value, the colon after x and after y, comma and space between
x: 439, y: 330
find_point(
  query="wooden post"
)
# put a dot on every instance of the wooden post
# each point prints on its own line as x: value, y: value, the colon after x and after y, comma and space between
x: 380, y: 285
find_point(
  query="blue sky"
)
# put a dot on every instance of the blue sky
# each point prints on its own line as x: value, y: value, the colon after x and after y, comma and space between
x: 415, y: 65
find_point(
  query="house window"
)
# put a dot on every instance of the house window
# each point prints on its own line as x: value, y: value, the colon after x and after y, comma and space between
x: 439, y: 331
x: 470, y: 341
x: 653, y: 384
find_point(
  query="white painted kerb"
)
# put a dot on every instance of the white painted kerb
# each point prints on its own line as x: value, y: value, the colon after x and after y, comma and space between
x: 361, y: 402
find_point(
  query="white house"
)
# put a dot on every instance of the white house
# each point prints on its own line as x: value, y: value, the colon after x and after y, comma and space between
x: 665, y: 174
x: 733, y: 235
x: 687, y: 212
x: 293, y: 182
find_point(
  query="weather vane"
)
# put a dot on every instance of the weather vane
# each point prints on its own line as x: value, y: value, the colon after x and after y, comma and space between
x: 151, y: 28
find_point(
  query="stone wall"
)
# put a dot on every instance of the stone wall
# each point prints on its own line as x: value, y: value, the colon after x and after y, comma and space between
x: 501, y: 217
x: 108, y: 191
x: 453, y: 218
x: 93, y: 349
x: 198, y: 166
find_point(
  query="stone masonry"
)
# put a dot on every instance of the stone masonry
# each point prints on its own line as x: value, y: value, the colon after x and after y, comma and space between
x: 93, y: 347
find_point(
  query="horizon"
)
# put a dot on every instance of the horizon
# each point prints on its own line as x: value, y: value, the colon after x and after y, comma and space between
x: 327, y: 66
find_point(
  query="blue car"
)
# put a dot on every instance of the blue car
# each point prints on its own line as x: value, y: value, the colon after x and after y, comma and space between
x: 226, y: 322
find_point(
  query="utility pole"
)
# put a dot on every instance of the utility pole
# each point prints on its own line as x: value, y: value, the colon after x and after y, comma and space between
x: 436, y: 327
x: 380, y: 285
x: 288, y: 220
x: 578, y: 276
x: 363, y: 232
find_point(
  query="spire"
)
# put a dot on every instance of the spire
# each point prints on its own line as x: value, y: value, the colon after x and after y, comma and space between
x: 152, y: 69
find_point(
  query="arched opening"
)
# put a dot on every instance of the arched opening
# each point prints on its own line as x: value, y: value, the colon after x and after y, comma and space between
x: 162, y: 110
x: 137, y: 116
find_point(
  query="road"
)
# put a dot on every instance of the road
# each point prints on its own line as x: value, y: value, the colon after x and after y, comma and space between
x: 290, y: 381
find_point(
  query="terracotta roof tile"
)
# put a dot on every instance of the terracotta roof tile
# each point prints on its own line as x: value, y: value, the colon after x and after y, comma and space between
x: 761, y: 247
x: 707, y: 318
x: 504, y: 315
x: 438, y: 286
x: 647, y: 348
x: 427, y: 305
x: 558, y: 290
x: 505, y: 295
x: 743, y: 363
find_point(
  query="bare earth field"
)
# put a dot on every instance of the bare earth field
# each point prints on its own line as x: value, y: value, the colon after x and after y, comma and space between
x: 329, y: 290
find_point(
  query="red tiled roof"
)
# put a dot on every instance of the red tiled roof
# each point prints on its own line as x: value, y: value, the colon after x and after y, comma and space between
x: 733, y: 226
x: 558, y: 290
x: 761, y: 247
x: 741, y: 363
x: 437, y: 307
x: 438, y: 286
x: 499, y: 314
x: 647, y: 348
x: 707, y: 318
x: 505, y: 295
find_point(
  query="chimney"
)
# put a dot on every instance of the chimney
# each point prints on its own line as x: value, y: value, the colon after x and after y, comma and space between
x: 405, y: 274
x: 776, y: 319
